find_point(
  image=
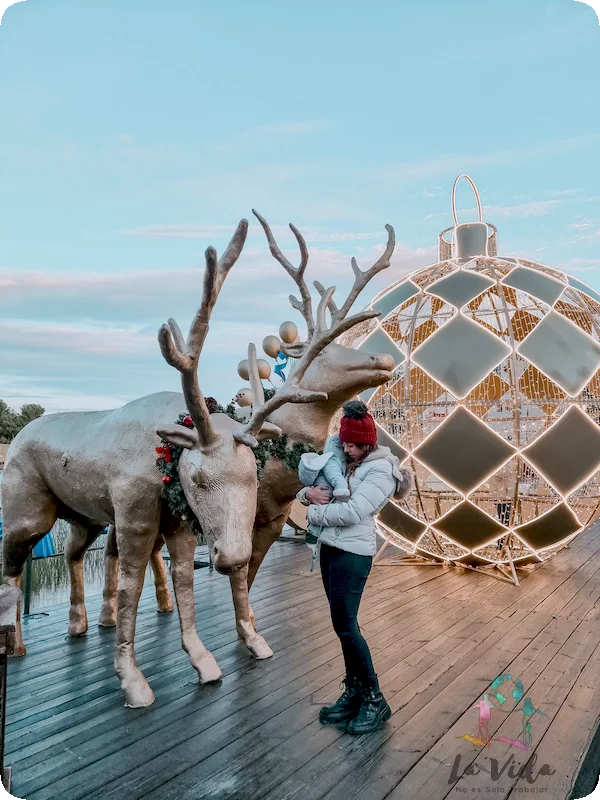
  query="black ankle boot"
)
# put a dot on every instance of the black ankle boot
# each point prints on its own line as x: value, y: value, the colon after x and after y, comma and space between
x: 374, y: 710
x: 346, y: 707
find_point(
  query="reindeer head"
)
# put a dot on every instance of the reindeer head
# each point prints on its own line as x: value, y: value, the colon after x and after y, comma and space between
x: 340, y: 371
x: 217, y: 468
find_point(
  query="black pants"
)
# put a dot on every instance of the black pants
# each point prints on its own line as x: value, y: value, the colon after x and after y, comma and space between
x: 344, y: 577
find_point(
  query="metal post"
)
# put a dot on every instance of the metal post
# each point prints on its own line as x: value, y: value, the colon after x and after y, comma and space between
x: 27, y: 588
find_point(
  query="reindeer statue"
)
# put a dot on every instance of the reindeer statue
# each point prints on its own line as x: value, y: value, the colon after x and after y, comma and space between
x: 96, y: 468
x: 338, y: 371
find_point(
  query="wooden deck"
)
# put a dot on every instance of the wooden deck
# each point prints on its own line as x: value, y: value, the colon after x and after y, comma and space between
x: 438, y: 638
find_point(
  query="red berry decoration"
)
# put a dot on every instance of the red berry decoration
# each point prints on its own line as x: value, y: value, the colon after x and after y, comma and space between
x: 166, y: 479
x: 188, y: 422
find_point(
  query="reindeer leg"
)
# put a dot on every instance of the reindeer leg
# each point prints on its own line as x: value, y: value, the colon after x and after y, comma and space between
x: 80, y: 539
x: 108, y: 612
x: 163, y: 595
x: 28, y: 515
x: 182, y: 545
x: 135, y: 546
x: 262, y: 539
x: 243, y: 621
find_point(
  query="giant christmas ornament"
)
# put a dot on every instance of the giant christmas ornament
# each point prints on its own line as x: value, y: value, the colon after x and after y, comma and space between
x: 495, y: 404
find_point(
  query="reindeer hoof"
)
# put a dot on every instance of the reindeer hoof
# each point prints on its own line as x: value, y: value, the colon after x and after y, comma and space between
x: 259, y: 647
x: 108, y: 616
x: 138, y: 693
x: 78, y: 624
x: 19, y: 650
x: 164, y: 601
x: 208, y: 669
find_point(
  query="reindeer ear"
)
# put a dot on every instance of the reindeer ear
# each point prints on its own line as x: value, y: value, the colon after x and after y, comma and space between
x: 179, y: 435
x: 268, y: 431
x: 294, y: 350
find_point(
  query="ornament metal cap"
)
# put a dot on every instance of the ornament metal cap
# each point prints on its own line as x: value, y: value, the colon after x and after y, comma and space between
x: 470, y: 238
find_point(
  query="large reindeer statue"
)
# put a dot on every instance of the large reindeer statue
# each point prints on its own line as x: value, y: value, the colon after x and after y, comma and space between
x: 340, y: 372
x: 98, y: 467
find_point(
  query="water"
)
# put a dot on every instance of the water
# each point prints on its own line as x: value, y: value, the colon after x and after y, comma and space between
x: 50, y: 582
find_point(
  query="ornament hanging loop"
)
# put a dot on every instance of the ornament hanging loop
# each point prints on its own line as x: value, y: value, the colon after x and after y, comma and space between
x: 475, y: 192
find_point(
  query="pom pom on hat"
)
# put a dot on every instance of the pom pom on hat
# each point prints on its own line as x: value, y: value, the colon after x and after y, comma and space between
x: 357, y: 425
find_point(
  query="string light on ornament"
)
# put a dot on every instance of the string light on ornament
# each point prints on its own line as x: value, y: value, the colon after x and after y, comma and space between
x: 494, y: 403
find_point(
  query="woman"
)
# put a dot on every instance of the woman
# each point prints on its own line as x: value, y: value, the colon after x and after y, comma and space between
x: 347, y: 546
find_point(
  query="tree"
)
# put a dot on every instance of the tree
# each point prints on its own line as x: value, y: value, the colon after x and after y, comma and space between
x: 11, y: 422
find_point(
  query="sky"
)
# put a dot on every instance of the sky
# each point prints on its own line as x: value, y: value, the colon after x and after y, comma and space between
x: 135, y: 134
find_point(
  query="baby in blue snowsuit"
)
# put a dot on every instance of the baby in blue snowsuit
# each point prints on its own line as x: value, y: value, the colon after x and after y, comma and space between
x: 328, y: 469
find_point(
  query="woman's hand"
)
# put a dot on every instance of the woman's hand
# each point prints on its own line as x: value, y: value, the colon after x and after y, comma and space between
x: 318, y: 495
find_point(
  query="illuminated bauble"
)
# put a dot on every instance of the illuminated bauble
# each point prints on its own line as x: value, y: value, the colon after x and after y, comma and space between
x: 264, y: 368
x: 494, y: 404
x: 288, y: 332
x: 242, y: 370
x: 244, y: 397
x: 271, y: 346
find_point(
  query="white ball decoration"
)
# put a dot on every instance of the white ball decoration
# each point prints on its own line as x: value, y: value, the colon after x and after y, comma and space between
x: 494, y: 403
x: 288, y: 332
x: 264, y: 368
x: 271, y: 346
x: 244, y: 398
x: 242, y: 370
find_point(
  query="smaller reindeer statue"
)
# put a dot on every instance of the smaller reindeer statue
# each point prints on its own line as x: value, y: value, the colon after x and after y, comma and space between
x: 98, y: 468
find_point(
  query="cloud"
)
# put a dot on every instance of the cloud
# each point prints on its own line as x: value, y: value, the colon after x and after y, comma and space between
x: 454, y: 165
x: 580, y: 264
x: 535, y: 208
x: 588, y: 231
x: 276, y: 129
x: 81, y: 341
x: 183, y: 231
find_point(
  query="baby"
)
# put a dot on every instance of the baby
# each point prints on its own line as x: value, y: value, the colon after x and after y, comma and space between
x: 327, y: 469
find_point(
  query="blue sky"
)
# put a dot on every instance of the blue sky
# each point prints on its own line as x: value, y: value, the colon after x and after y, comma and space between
x: 134, y: 134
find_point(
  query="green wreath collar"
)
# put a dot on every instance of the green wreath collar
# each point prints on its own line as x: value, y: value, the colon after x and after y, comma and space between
x: 169, y: 454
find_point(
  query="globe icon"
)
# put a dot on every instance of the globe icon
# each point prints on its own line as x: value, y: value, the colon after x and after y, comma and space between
x: 494, y: 404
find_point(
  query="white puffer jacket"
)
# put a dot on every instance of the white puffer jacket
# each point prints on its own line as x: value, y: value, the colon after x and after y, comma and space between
x: 350, y: 524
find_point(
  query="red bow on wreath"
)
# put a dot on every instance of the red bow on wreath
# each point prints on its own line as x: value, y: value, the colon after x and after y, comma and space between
x: 164, y: 453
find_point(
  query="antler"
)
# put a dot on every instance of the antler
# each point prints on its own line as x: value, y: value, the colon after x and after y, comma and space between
x: 184, y: 355
x: 319, y: 335
x: 297, y: 273
x: 291, y: 392
x: 360, y: 278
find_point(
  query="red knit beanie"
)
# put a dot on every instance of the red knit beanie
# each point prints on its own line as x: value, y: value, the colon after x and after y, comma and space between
x: 357, y: 425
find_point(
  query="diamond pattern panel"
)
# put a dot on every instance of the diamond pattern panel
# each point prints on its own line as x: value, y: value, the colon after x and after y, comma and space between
x: 584, y: 288
x: 563, y: 352
x: 535, y: 283
x: 550, y: 528
x: 402, y: 523
x: 395, y: 298
x: 569, y: 452
x: 469, y: 526
x: 385, y: 440
x: 463, y: 451
x: 460, y: 288
x: 379, y: 342
x: 443, y: 355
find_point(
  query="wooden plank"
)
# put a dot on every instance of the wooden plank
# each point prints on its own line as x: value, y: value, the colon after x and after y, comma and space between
x: 161, y: 721
x: 548, y: 692
x: 432, y: 773
x: 435, y: 634
x: 567, y: 740
x: 328, y: 765
x: 300, y: 737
